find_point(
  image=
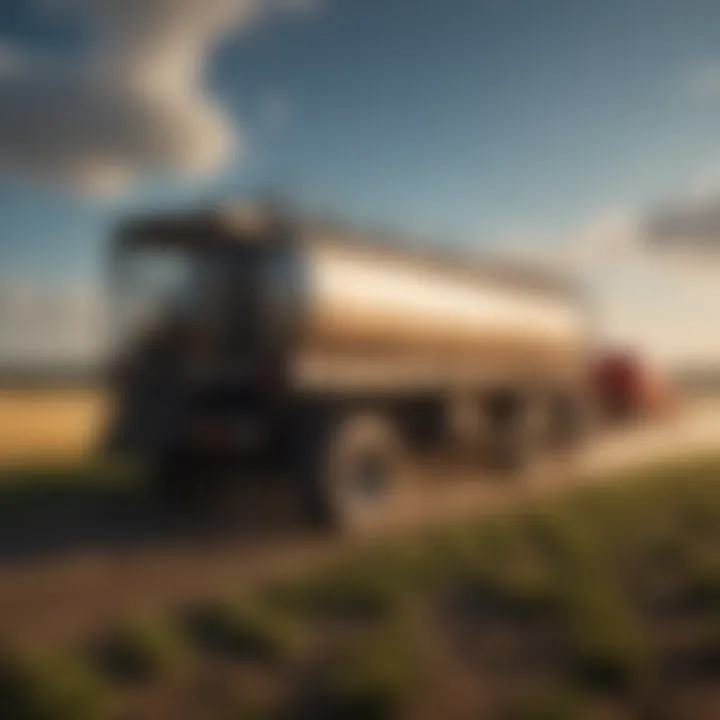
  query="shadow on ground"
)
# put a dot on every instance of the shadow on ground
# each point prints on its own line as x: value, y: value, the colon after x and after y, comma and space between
x: 51, y: 512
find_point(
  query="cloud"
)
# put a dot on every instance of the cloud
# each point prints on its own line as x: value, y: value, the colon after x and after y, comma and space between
x: 80, y: 132
x: 664, y: 303
x: 134, y: 105
x: 609, y: 237
x: 41, y: 324
x: 691, y: 224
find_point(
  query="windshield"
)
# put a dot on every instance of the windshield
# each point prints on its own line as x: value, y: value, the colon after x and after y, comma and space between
x: 153, y: 286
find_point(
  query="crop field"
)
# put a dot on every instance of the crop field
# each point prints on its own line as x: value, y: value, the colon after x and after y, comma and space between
x: 600, y: 603
x: 48, y: 425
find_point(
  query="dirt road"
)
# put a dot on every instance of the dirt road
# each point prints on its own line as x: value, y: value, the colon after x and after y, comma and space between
x: 68, y: 568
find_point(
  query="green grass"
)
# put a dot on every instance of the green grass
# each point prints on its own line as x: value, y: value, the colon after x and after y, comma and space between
x: 608, y: 649
x: 548, y: 703
x: 374, y: 678
x: 58, y: 689
x: 139, y: 649
x: 370, y: 589
x: 582, y: 567
x: 241, y: 629
x: 65, y: 487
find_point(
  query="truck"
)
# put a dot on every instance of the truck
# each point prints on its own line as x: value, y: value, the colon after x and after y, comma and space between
x: 247, y: 338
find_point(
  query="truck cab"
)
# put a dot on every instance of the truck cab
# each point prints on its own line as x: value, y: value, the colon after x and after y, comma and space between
x: 192, y: 336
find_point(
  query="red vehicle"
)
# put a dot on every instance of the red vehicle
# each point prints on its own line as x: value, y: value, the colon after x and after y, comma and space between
x: 627, y: 387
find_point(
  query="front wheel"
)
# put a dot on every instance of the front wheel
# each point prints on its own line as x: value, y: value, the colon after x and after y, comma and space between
x: 512, y: 435
x: 351, y: 468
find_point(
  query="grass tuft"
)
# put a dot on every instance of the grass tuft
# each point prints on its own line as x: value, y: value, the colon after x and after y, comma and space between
x: 374, y: 679
x: 242, y: 630
x: 64, y: 689
x: 608, y: 649
x: 548, y: 703
x: 141, y: 649
x: 362, y: 591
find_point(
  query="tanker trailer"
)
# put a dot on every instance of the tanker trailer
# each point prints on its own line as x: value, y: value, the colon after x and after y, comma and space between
x: 246, y: 339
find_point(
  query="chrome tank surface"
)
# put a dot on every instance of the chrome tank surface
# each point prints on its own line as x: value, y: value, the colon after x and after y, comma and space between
x: 394, y: 314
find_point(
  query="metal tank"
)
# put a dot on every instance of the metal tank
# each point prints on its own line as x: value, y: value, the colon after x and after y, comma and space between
x: 370, y: 309
x: 375, y: 313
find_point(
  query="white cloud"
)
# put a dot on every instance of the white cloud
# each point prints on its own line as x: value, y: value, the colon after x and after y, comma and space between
x: 690, y: 225
x: 608, y: 237
x: 134, y: 105
x: 666, y: 304
x: 50, y: 324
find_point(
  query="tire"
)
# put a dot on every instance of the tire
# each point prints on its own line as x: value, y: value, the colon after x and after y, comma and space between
x: 512, y: 456
x: 573, y: 424
x: 351, y: 467
x: 513, y: 446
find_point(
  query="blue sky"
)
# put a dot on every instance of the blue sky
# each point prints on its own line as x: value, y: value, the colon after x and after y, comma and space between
x: 474, y: 122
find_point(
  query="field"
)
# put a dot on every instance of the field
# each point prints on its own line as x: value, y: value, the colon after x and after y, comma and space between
x: 48, y: 425
x: 601, y: 603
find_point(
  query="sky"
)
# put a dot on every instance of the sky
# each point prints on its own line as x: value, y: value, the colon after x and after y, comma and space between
x: 581, y: 134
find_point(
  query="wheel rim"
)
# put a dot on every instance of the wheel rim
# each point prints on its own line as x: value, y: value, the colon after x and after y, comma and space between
x: 369, y: 477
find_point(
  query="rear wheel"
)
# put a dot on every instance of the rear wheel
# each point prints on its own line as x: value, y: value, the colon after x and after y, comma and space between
x: 351, y: 467
x: 512, y: 432
x: 572, y: 424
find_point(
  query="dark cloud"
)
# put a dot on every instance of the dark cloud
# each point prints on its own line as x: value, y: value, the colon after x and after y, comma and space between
x: 135, y: 106
x: 693, y: 224
x: 80, y: 132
